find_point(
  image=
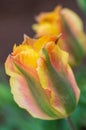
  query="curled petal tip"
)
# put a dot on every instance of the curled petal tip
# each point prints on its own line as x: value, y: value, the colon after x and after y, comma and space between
x: 58, y: 37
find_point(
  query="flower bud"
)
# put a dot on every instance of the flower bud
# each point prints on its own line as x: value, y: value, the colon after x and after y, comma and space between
x: 41, y: 79
x: 67, y: 22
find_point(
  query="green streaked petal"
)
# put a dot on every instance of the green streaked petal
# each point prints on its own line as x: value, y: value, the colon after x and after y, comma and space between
x: 39, y: 95
x: 61, y: 85
x: 73, y: 43
x: 48, y: 86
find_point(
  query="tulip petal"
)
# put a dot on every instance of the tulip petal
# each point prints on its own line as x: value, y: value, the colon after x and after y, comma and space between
x: 40, y: 96
x: 45, y: 29
x: 72, y: 18
x: 47, y: 23
x: 38, y: 44
x: 61, y: 85
x: 75, y: 44
x: 47, y: 84
x: 28, y: 40
x: 24, y: 98
x: 59, y: 60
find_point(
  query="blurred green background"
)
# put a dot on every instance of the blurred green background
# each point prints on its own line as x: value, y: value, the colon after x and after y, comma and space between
x: 16, y: 18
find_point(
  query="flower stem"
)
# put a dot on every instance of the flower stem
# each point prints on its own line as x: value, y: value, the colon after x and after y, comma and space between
x: 70, y: 123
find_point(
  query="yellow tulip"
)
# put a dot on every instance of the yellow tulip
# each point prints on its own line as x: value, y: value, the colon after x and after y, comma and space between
x: 67, y: 22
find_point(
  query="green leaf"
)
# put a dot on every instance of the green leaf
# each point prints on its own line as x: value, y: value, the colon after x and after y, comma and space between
x: 81, y: 81
x: 79, y: 115
x: 5, y: 94
x: 82, y: 5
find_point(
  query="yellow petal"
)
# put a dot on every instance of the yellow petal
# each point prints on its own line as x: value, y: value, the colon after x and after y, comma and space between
x: 45, y: 29
x: 25, y: 55
x: 49, y: 16
x: 28, y: 40
x: 39, y: 43
x: 47, y: 23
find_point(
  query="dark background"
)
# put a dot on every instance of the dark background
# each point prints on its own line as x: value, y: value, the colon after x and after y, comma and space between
x: 17, y: 17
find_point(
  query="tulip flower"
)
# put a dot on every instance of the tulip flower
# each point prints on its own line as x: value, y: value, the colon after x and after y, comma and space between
x: 41, y: 79
x: 67, y: 22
